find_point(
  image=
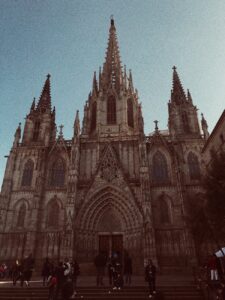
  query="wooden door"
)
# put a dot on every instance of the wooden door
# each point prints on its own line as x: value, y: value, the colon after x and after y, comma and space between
x: 117, y: 244
x: 104, y: 244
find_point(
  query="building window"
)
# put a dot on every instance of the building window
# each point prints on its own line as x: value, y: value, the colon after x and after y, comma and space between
x: 21, y: 216
x: 193, y: 164
x: 57, y: 173
x: 93, y: 116
x: 36, y: 131
x: 130, y: 113
x: 52, y: 219
x: 159, y: 168
x: 164, y: 211
x: 111, y: 110
x: 185, y: 122
x: 27, y: 173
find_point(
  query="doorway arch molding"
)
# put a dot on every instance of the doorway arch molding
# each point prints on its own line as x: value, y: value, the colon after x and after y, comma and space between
x: 108, y: 197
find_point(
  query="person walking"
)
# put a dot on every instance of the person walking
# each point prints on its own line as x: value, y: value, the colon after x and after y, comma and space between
x: 16, y: 272
x: 150, y: 277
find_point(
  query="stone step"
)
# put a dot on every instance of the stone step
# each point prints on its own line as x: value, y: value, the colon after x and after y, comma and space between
x: 96, y: 293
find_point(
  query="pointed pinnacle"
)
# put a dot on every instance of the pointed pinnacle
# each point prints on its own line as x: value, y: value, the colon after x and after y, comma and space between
x: 33, y: 105
x: 45, y: 98
x: 94, y: 84
x: 178, y: 95
x: 189, y: 98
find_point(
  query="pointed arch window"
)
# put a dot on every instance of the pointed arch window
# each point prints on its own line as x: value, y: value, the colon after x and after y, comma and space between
x: 130, y: 113
x: 27, y: 173
x: 159, y: 168
x: 21, y: 216
x: 93, y: 116
x: 52, y: 218
x: 164, y: 211
x: 57, y: 173
x: 111, y: 110
x: 36, y: 131
x: 193, y: 165
x: 185, y: 122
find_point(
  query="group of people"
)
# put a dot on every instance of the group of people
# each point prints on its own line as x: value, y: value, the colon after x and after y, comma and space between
x: 61, y: 279
x: 211, y: 277
x: 22, y: 270
x: 118, y: 272
x: 115, y: 269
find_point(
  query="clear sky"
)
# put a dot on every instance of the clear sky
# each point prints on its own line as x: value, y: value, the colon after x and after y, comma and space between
x: 68, y: 39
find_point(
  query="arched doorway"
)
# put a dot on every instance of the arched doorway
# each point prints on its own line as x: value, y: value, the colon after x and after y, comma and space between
x: 110, y: 222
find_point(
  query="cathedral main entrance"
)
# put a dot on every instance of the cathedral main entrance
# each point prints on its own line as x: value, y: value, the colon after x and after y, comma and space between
x: 111, y: 243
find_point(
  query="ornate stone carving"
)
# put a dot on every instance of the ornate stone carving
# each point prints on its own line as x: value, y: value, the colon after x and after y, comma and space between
x: 109, y: 167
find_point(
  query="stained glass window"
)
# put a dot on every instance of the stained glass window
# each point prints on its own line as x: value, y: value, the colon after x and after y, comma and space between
x: 57, y: 173
x: 193, y: 164
x: 160, y: 170
x: 130, y: 113
x: 111, y: 110
x: 27, y: 173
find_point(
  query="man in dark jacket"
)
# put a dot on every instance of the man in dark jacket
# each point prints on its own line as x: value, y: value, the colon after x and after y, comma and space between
x: 150, y: 276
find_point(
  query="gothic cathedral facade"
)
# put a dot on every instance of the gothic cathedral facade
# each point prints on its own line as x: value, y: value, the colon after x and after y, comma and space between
x: 110, y: 188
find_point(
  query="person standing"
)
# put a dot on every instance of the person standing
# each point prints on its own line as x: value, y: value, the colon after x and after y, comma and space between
x: 75, y: 272
x: 46, y: 270
x: 60, y: 280
x: 213, y: 267
x: 117, y: 275
x: 52, y: 284
x: 127, y: 269
x: 110, y: 269
x: 150, y: 277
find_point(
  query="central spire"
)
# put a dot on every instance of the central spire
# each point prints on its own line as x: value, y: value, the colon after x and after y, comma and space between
x: 112, y: 71
x: 178, y: 95
x: 45, y: 98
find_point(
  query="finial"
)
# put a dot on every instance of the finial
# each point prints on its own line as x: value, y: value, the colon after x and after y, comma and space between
x: 112, y: 20
x: 174, y: 68
x: 48, y: 76
x: 61, y: 131
x: 156, y: 125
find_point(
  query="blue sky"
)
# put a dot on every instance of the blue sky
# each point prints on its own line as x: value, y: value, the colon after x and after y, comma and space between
x: 68, y: 39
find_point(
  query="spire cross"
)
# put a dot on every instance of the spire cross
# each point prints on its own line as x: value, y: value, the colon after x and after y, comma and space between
x: 174, y: 68
x: 156, y: 125
x: 112, y: 20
